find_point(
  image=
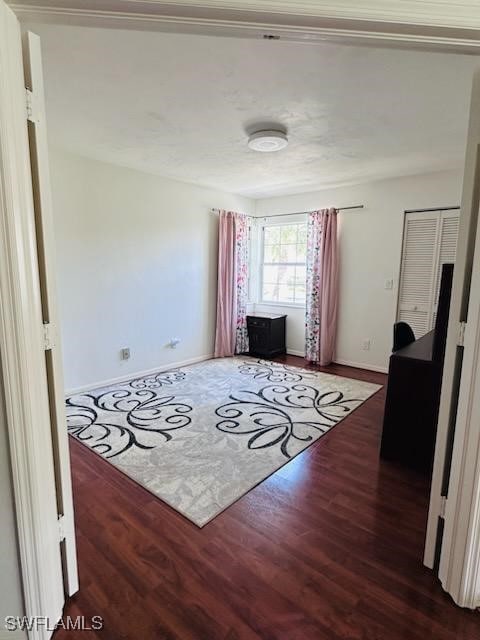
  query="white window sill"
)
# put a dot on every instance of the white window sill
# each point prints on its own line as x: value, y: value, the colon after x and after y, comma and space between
x: 290, y: 305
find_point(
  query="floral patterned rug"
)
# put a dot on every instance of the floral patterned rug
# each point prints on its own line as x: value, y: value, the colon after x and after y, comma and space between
x: 201, y: 437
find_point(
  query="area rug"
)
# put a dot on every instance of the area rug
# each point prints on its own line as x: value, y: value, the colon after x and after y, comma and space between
x: 202, y: 436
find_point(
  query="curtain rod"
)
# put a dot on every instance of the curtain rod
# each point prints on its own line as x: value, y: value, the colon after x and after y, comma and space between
x: 298, y: 213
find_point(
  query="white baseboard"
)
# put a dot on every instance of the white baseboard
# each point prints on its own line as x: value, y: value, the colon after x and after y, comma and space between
x: 362, y: 365
x: 135, y: 374
x: 293, y: 352
x: 347, y: 363
x: 184, y: 363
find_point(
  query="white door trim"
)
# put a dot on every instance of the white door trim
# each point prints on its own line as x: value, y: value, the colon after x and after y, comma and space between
x: 439, y: 24
x: 459, y: 305
x: 442, y: 25
x: 21, y: 345
x: 459, y: 569
x: 462, y: 14
x: 39, y: 163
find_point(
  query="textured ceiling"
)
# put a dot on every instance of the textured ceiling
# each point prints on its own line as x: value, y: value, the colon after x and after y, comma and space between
x: 180, y: 105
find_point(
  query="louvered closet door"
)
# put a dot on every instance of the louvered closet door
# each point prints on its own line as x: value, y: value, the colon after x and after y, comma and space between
x: 417, y: 276
x: 429, y: 241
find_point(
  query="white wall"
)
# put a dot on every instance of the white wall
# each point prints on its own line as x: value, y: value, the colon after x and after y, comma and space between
x: 137, y: 258
x: 370, y: 250
x: 11, y: 599
x: 137, y: 265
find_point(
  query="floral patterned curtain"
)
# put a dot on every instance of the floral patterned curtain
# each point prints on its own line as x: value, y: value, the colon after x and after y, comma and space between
x: 232, y: 294
x: 322, y: 286
x: 242, y: 231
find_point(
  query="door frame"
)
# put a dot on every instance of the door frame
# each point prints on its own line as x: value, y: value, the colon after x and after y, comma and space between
x: 20, y: 326
x: 22, y: 348
x: 459, y: 415
x: 459, y: 567
x: 40, y: 171
x: 452, y: 26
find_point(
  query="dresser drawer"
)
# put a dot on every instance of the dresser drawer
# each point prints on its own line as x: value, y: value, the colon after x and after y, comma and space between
x: 260, y: 323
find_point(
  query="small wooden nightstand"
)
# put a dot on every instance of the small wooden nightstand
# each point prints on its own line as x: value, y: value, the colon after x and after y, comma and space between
x: 266, y: 334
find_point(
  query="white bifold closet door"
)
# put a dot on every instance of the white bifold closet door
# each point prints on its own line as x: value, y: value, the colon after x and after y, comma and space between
x: 429, y: 241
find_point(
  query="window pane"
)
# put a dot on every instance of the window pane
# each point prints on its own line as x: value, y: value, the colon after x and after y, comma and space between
x: 302, y: 234
x: 289, y: 253
x: 283, y: 271
x: 272, y: 235
x: 286, y: 293
x: 288, y: 234
x: 270, y: 274
x: 300, y: 275
x: 270, y: 292
x: 301, y: 252
x: 286, y: 275
x: 275, y: 253
x: 300, y: 296
x: 270, y: 253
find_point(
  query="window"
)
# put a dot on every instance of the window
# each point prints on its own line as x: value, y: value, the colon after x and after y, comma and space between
x: 283, y: 265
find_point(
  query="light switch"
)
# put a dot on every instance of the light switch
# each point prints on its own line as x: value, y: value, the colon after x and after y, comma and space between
x: 389, y: 284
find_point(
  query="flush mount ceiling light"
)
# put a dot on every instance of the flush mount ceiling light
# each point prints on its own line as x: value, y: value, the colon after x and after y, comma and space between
x: 268, y: 140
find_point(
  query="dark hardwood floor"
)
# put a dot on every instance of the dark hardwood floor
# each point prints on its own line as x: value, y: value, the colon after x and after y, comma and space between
x: 327, y: 548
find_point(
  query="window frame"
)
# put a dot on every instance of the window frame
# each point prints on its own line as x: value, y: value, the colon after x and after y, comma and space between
x: 261, y: 264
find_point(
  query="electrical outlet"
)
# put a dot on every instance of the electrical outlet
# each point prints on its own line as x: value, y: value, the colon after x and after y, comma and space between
x: 389, y: 284
x: 366, y: 344
x: 125, y: 353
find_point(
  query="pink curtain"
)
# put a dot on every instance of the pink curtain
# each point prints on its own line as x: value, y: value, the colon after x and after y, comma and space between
x: 231, y: 330
x: 322, y: 286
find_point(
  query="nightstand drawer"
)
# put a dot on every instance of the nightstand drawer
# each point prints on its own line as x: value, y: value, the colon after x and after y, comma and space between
x: 261, y: 323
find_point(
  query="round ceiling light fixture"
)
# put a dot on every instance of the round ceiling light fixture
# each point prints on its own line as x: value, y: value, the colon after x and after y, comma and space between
x: 268, y: 140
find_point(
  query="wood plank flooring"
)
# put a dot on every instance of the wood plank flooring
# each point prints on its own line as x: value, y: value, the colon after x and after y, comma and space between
x: 327, y: 548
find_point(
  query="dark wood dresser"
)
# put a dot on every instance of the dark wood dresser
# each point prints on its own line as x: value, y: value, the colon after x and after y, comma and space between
x: 413, y: 392
x: 411, y: 409
x: 266, y: 334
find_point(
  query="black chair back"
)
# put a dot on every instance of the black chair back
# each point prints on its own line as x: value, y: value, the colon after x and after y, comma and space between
x: 402, y: 335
